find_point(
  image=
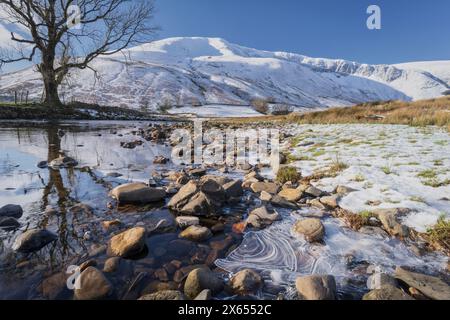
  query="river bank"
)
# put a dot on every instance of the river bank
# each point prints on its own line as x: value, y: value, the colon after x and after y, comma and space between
x: 111, y: 202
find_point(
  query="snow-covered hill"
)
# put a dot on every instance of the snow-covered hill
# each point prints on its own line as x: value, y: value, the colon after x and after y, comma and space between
x: 203, y: 71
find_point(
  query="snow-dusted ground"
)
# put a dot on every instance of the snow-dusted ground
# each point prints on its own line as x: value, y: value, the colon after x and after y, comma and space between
x: 217, y: 111
x: 391, y: 166
x: 204, y: 71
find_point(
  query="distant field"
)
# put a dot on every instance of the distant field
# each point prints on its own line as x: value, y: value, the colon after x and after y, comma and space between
x: 420, y: 113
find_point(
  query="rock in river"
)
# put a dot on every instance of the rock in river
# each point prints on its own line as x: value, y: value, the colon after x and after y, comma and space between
x: 164, y: 295
x: 261, y: 218
x: 432, y: 287
x: 137, y: 193
x: 387, y: 292
x: 33, y: 240
x: 201, y: 279
x: 196, y: 233
x: 187, y: 221
x: 246, y: 282
x: 93, y: 285
x: 311, y: 228
x: 9, y: 223
x: 290, y: 194
x: 11, y: 210
x: 128, y: 243
x: 316, y: 287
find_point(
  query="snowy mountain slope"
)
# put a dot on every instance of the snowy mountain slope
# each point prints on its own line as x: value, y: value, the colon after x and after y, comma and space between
x: 201, y: 71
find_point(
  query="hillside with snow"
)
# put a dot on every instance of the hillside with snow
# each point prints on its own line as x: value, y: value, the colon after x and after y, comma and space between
x: 192, y: 72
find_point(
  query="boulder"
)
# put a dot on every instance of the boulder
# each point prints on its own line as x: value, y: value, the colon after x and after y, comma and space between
x: 182, y: 197
x: 388, y: 218
x: 265, y: 196
x: 128, y: 243
x: 164, y: 295
x: 378, y: 279
x: 9, y: 223
x: 221, y: 180
x: 260, y: 218
x: 313, y: 191
x: 233, y: 189
x: 112, y: 264
x: 432, y: 287
x: 311, y: 228
x: 331, y: 201
x: 292, y: 195
x: 187, y: 221
x: 213, y: 189
x: 196, y: 233
x: 204, y: 295
x: 55, y: 286
x: 137, y: 193
x: 387, y: 292
x: 33, y: 240
x: 199, y: 205
x: 374, y: 231
x: 246, y: 282
x: 316, y: 287
x: 93, y: 285
x: 200, y: 279
x: 11, y: 210
x: 269, y: 187
x: 343, y: 190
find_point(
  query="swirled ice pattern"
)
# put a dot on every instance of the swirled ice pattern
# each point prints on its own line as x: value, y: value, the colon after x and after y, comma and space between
x: 281, y: 256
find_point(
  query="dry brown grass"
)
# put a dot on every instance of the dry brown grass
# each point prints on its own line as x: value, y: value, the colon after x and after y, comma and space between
x: 419, y: 113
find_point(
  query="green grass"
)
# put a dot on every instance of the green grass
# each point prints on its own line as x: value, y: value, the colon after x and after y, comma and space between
x: 386, y: 170
x: 428, y: 174
x: 286, y: 174
x: 440, y: 232
x: 417, y: 199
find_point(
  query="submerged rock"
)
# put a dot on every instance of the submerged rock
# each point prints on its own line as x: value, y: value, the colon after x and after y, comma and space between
x: 33, y: 240
x: 137, y: 193
x: 311, y: 228
x: 201, y: 279
x: 432, y: 287
x: 11, y: 210
x: 246, y: 282
x: 128, y: 243
x: 93, y: 285
x: 196, y: 233
x: 316, y: 287
x: 187, y: 221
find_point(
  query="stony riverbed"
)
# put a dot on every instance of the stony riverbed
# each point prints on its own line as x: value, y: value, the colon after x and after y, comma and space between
x: 104, y: 196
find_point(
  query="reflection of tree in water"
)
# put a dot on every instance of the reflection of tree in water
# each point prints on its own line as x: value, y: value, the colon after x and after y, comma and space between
x: 55, y: 187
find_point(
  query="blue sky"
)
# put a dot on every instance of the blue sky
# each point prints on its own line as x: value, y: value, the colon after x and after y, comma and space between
x: 411, y: 29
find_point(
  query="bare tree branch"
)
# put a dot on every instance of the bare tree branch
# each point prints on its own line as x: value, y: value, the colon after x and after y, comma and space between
x: 106, y: 27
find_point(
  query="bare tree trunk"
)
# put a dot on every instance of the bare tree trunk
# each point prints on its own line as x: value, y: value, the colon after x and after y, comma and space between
x: 50, y: 87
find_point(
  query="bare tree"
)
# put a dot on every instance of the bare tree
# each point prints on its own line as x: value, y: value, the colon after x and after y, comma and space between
x: 68, y: 34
